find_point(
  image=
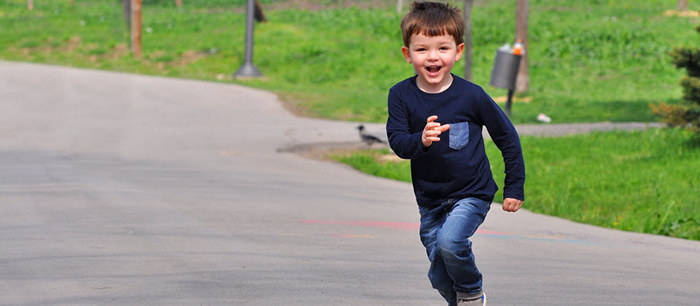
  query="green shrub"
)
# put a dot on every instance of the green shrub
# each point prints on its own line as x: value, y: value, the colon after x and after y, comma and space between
x: 687, y: 113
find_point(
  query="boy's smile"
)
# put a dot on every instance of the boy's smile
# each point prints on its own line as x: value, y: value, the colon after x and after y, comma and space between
x: 433, y: 58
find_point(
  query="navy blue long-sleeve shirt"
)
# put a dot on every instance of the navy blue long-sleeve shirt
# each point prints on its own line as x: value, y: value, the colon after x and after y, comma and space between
x: 457, y: 166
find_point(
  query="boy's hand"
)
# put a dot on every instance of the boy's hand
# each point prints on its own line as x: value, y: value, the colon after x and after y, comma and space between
x: 432, y: 130
x: 512, y: 205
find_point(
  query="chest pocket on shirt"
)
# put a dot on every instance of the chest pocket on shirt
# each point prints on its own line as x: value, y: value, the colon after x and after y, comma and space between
x: 459, y: 135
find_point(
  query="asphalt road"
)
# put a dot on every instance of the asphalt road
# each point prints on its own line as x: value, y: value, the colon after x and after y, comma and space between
x: 127, y: 189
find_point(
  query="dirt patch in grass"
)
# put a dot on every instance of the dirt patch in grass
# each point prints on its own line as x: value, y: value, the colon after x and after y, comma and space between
x: 315, y: 5
x: 189, y: 57
x: 294, y: 105
x: 682, y: 13
x: 118, y: 51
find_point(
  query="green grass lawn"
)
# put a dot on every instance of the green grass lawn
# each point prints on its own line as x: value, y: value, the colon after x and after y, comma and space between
x: 589, y: 60
x: 634, y: 181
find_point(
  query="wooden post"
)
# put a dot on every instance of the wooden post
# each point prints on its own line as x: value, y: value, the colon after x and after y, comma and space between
x: 468, y: 49
x: 178, y: 3
x: 30, y: 4
x: 523, y: 81
x: 682, y: 5
x: 136, y: 28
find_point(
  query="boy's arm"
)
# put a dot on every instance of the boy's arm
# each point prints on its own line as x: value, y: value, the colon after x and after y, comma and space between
x: 405, y: 144
x: 506, y: 138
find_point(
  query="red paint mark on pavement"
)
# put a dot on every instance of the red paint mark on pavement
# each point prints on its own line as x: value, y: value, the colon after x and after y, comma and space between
x: 353, y: 236
x: 376, y: 224
x: 413, y: 226
x: 490, y: 232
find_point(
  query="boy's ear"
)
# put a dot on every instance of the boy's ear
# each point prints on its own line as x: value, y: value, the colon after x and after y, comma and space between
x: 406, y: 53
x: 460, y: 51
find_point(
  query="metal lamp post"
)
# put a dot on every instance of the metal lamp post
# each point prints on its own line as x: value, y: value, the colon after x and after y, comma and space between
x: 248, y: 69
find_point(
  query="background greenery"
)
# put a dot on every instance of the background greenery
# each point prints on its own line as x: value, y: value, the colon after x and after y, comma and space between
x: 589, y: 60
x: 594, y: 60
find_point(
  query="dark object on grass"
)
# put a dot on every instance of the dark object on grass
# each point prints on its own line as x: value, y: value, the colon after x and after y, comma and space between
x: 259, y: 15
x: 367, y: 138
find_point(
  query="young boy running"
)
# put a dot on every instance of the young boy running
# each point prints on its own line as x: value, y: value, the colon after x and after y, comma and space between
x: 451, y: 174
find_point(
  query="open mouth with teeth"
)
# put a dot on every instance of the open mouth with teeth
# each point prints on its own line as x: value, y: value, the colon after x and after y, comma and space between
x: 433, y: 69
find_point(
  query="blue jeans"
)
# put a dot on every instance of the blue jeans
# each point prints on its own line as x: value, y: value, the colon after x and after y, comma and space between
x: 445, y: 232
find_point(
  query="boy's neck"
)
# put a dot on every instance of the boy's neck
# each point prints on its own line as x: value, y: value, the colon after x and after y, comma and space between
x: 434, y: 89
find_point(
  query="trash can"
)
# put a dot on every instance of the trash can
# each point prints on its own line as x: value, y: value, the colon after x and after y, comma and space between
x: 505, y: 68
x: 505, y: 71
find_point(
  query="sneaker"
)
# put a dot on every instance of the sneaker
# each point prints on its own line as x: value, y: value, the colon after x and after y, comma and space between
x: 464, y: 299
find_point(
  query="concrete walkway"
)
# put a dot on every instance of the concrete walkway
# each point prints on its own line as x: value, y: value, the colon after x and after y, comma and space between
x: 128, y: 189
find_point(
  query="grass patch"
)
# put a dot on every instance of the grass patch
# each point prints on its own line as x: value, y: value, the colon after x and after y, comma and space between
x: 589, y: 60
x: 633, y: 181
x: 380, y: 162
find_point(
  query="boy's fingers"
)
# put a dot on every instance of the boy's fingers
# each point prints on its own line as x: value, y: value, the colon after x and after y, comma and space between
x: 512, y: 205
x: 434, y: 129
x: 437, y: 125
x: 506, y: 207
x: 432, y: 125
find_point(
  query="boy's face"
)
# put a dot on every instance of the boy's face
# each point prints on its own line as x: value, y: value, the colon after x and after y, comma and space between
x: 432, y: 58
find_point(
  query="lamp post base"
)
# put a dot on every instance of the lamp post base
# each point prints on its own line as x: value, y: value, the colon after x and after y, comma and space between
x: 247, y: 71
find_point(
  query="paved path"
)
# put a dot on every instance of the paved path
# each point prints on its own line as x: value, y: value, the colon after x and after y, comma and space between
x: 127, y: 189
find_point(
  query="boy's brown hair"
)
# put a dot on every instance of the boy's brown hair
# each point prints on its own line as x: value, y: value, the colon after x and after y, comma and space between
x: 432, y: 19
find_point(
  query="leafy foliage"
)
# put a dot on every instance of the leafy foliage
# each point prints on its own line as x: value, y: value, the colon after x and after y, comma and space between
x: 688, y: 58
x: 674, y: 115
x: 687, y: 113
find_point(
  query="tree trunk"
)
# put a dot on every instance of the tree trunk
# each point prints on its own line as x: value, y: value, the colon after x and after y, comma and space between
x: 682, y: 5
x: 136, y: 28
x: 399, y: 6
x: 178, y: 3
x: 30, y: 4
x: 522, y: 13
x: 468, y: 50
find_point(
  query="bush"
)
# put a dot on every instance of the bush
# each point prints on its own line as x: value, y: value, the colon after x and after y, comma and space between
x: 687, y: 113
